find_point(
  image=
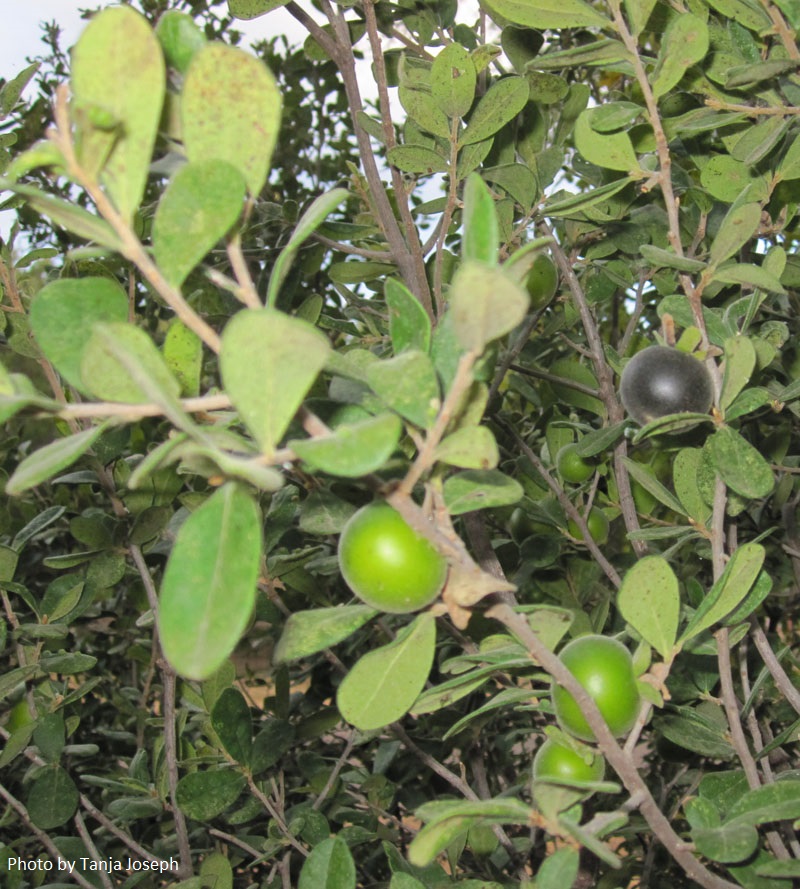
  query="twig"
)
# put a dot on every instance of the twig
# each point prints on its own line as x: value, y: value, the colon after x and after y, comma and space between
x: 783, y: 683
x: 246, y: 292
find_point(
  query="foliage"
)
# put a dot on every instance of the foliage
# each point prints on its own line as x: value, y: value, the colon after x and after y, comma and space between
x: 241, y: 302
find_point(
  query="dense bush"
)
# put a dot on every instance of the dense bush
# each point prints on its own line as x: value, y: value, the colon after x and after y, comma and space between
x: 241, y: 302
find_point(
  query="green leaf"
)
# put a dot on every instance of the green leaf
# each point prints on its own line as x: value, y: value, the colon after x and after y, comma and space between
x: 209, y: 586
x: 424, y: 110
x: 42, y: 465
x: 789, y: 167
x: 122, y: 363
x: 727, y: 843
x: 759, y: 140
x: 183, y: 355
x: 232, y: 722
x: 481, y: 241
x: 198, y: 208
x: 52, y: 798
x: 231, y: 111
x: 329, y: 866
x: 216, y: 871
x: 685, y: 467
x: 480, y: 489
x: 64, y: 311
x: 574, y: 204
x: 471, y: 447
x: 612, y: 151
x: 501, y: 103
x: 407, y: 384
x: 409, y: 324
x: 12, y: 90
x: 417, y: 159
x: 758, y: 593
x: 118, y: 67
x: 742, y: 467
x: 726, y: 178
x: 252, y: 9
x: 559, y: 869
x: 541, y: 14
x: 448, y: 820
x: 650, y: 602
x: 666, y: 259
x: 728, y: 592
x: 779, y: 801
x: 66, y: 215
x: 269, y: 361
x: 650, y: 483
x: 352, y: 451
x: 204, y: 795
x: 517, y: 180
x: 740, y: 361
x: 180, y: 38
x: 736, y: 229
x: 750, y: 275
x: 381, y: 687
x: 319, y: 210
x: 402, y: 880
x: 685, y: 43
x: 485, y: 304
x: 307, y: 632
x: 453, y: 79
x: 693, y: 730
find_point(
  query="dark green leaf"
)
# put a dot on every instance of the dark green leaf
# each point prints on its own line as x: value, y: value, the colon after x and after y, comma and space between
x: 204, y: 795
x: 501, y: 103
x: 329, y: 866
x: 453, y: 79
x: 52, y: 798
x: 481, y: 240
x: 409, y: 324
x: 231, y: 720
x: 741, y: 466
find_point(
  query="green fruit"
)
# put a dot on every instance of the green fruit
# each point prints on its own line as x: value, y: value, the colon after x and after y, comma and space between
x: 542, y: 281
x: 180, y: 38
x: 598, y: 525
x: 604, y: 667
x: 387, y: 564
x: 556, y: 762
x: 659, y: 381
x: 572, y: 467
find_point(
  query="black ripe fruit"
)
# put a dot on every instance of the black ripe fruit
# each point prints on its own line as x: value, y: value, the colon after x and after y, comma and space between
x: 659, y: 380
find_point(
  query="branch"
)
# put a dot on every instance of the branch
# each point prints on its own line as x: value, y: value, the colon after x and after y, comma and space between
x: 620, y: 762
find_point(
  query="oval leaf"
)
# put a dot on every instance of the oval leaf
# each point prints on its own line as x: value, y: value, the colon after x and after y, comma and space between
x: 231, y: 111
x: 407, y: 384
x: 352, y: 451
x: 650, y: 602
x: 453, y: 79
x: 741, y: 466
x: 203, y: 795
x: 200, y: 205
x: 329, y: 866
x: 269, y: 361
x: 729, y: 591
x: 409, y: 324
x: 53, y: 797
x: 485, y: 304
x: 501, y: 103
x: 383, y: 684
x: 209, y: 586
x: 118, y: 66
x: 540, y: 14
x: 480, y: 489
x: 63, y: 312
